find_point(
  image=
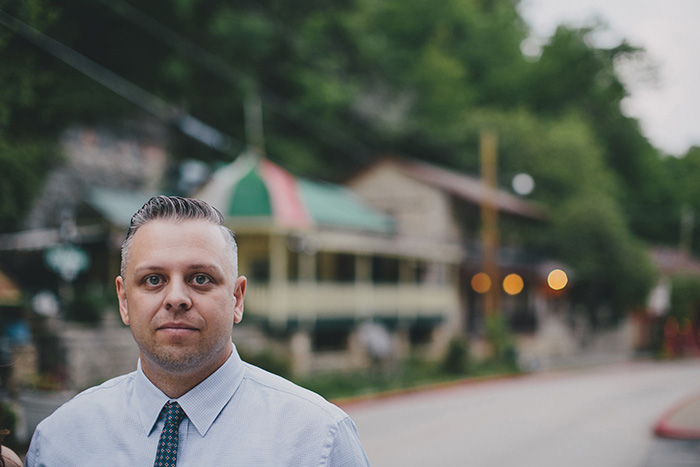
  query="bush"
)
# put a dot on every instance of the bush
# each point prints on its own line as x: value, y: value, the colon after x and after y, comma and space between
x: 502, y: 341
x: 456, y: 360
x: 685, y: 297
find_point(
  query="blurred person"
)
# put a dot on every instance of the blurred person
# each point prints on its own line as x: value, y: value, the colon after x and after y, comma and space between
x: 8, y: 457
x: 191, y: 400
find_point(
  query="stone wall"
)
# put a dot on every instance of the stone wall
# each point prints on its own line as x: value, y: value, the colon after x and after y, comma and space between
x: 96, y: 354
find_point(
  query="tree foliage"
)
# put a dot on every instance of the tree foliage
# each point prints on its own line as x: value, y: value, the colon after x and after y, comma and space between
x: 341, y: 81
x: 27, y: 145
x: 678, y: 222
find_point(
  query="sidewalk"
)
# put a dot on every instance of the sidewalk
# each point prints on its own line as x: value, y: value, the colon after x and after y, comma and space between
x: 677, y: 441
x: 681, y: 422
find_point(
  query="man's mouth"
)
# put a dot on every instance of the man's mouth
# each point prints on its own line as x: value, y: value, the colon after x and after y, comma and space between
x: 177, y: 327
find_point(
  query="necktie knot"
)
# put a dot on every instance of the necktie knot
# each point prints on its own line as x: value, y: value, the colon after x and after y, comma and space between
x: 173, y: 413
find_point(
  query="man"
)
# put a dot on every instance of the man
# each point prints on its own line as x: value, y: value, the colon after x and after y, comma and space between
x: 191, y: 400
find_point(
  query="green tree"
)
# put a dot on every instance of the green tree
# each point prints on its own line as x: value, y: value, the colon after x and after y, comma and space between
x: 27, y: 145
x: 612, y: 268
x: 343, y: 80
x: 574, y: 75
x: 423, y: 65
x: 588, y: 228
x: 682, y: 213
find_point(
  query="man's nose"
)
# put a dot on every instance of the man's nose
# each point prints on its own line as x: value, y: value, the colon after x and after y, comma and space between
x: 177, y: 296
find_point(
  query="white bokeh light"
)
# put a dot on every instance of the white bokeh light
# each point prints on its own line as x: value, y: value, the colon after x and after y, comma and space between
x: 523, y: 184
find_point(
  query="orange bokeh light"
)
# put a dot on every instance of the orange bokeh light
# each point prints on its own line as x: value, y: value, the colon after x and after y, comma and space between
x: 481, y: 282
x: 513, y: 284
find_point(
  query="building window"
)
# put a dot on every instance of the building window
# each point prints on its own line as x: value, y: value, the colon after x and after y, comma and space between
x: 327, y: 340
x: 420, y: 335
x: 385, y: 270
x: 345, y: 268
x: 420, y: 271
x: 260, y: 270
x: 334, y: 267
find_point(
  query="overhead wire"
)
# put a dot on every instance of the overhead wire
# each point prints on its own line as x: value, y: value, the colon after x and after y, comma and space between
x: 323, y: 131
x: 188, y: 124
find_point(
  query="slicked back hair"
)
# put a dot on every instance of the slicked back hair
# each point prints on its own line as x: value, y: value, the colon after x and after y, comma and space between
x: 176, y: 208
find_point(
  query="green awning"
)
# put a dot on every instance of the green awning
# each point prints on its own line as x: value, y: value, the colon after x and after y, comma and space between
x: 335, y: 205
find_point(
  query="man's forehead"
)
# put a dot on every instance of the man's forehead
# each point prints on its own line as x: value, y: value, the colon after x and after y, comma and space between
x: 177, y: 228
x: 192, y: 242
x: 160, y: 234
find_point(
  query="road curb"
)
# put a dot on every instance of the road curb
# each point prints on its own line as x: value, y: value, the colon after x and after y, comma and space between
x: 682, y: 421
x: 393, y: 393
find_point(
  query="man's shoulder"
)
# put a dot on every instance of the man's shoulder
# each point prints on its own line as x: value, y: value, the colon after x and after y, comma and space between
x: 119, y: 384
x: 61, y: 437
x: 295, y: 420
x: 290, y: 394
x: 108, y: 396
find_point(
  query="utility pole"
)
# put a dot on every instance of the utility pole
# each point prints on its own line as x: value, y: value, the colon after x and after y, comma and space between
x: 253, y: 116
x: 489, y: 219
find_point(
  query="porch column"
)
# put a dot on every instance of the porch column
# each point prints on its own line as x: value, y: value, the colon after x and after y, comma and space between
x: 308, y: 283
x: 278, y: 280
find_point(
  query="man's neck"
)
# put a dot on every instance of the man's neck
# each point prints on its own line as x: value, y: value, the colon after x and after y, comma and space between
x: 176, y: 384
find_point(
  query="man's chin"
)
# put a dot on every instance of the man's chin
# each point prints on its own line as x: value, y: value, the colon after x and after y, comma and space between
x: 179, y: 360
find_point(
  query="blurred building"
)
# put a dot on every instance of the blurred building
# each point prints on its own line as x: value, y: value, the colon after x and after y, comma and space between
x: 330, y: 278
x: 339, y: 276
x: 128, y: 158
x: 64, y: 260
x: 670, y: 323
x: 15, y: 342
x: 437, y: 208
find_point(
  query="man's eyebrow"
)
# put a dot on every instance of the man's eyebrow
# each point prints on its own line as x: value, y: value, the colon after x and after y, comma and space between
x: 148, y: 268
x: 204, y: 267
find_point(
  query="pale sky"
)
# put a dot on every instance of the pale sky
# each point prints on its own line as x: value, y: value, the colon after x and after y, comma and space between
x: 669, y: 31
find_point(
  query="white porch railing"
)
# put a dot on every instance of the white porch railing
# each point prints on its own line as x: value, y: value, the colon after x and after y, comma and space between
x: 332, y: 300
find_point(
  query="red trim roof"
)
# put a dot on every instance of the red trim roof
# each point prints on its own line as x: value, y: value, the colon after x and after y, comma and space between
x: 287, y: 206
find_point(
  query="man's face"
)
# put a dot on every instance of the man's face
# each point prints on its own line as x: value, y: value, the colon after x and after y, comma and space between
x: 180, y: 296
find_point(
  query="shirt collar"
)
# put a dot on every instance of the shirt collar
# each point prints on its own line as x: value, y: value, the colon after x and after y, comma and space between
x: 202, y: 404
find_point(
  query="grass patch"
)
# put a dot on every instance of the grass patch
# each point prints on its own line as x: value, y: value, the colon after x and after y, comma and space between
x: 412, y: 373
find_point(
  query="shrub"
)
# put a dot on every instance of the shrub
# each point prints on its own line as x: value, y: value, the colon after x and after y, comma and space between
x: 456, y: 360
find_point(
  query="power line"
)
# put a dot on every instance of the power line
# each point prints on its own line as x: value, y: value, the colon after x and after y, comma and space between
x: 163, y: 110
x: 326, y: 133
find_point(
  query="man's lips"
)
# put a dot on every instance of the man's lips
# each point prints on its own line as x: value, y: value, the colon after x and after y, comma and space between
x: 177, y: 327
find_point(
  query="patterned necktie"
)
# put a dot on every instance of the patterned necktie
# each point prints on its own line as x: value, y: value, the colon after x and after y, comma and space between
x: 167, y: 445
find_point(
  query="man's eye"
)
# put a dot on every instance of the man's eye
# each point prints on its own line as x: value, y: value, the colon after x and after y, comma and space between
x: 201, y: 279
x: 153, y: 280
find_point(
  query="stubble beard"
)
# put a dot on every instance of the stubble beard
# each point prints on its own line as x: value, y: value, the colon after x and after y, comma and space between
x: 181, y: 360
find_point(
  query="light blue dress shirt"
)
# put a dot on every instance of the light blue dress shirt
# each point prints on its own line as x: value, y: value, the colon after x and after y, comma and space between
x: 239, y: 416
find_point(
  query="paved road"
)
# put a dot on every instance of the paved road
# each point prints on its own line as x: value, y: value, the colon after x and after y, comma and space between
x: 599, y: 416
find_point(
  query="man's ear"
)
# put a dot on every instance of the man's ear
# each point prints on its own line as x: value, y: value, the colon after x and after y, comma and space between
x: 239, y: 295
x: 121, y: 295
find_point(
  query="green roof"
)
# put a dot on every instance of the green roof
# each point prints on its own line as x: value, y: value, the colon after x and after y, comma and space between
x: 334, y: 205
x: 326, y: 204
x: 117, y: 206
x: 250, y: 197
